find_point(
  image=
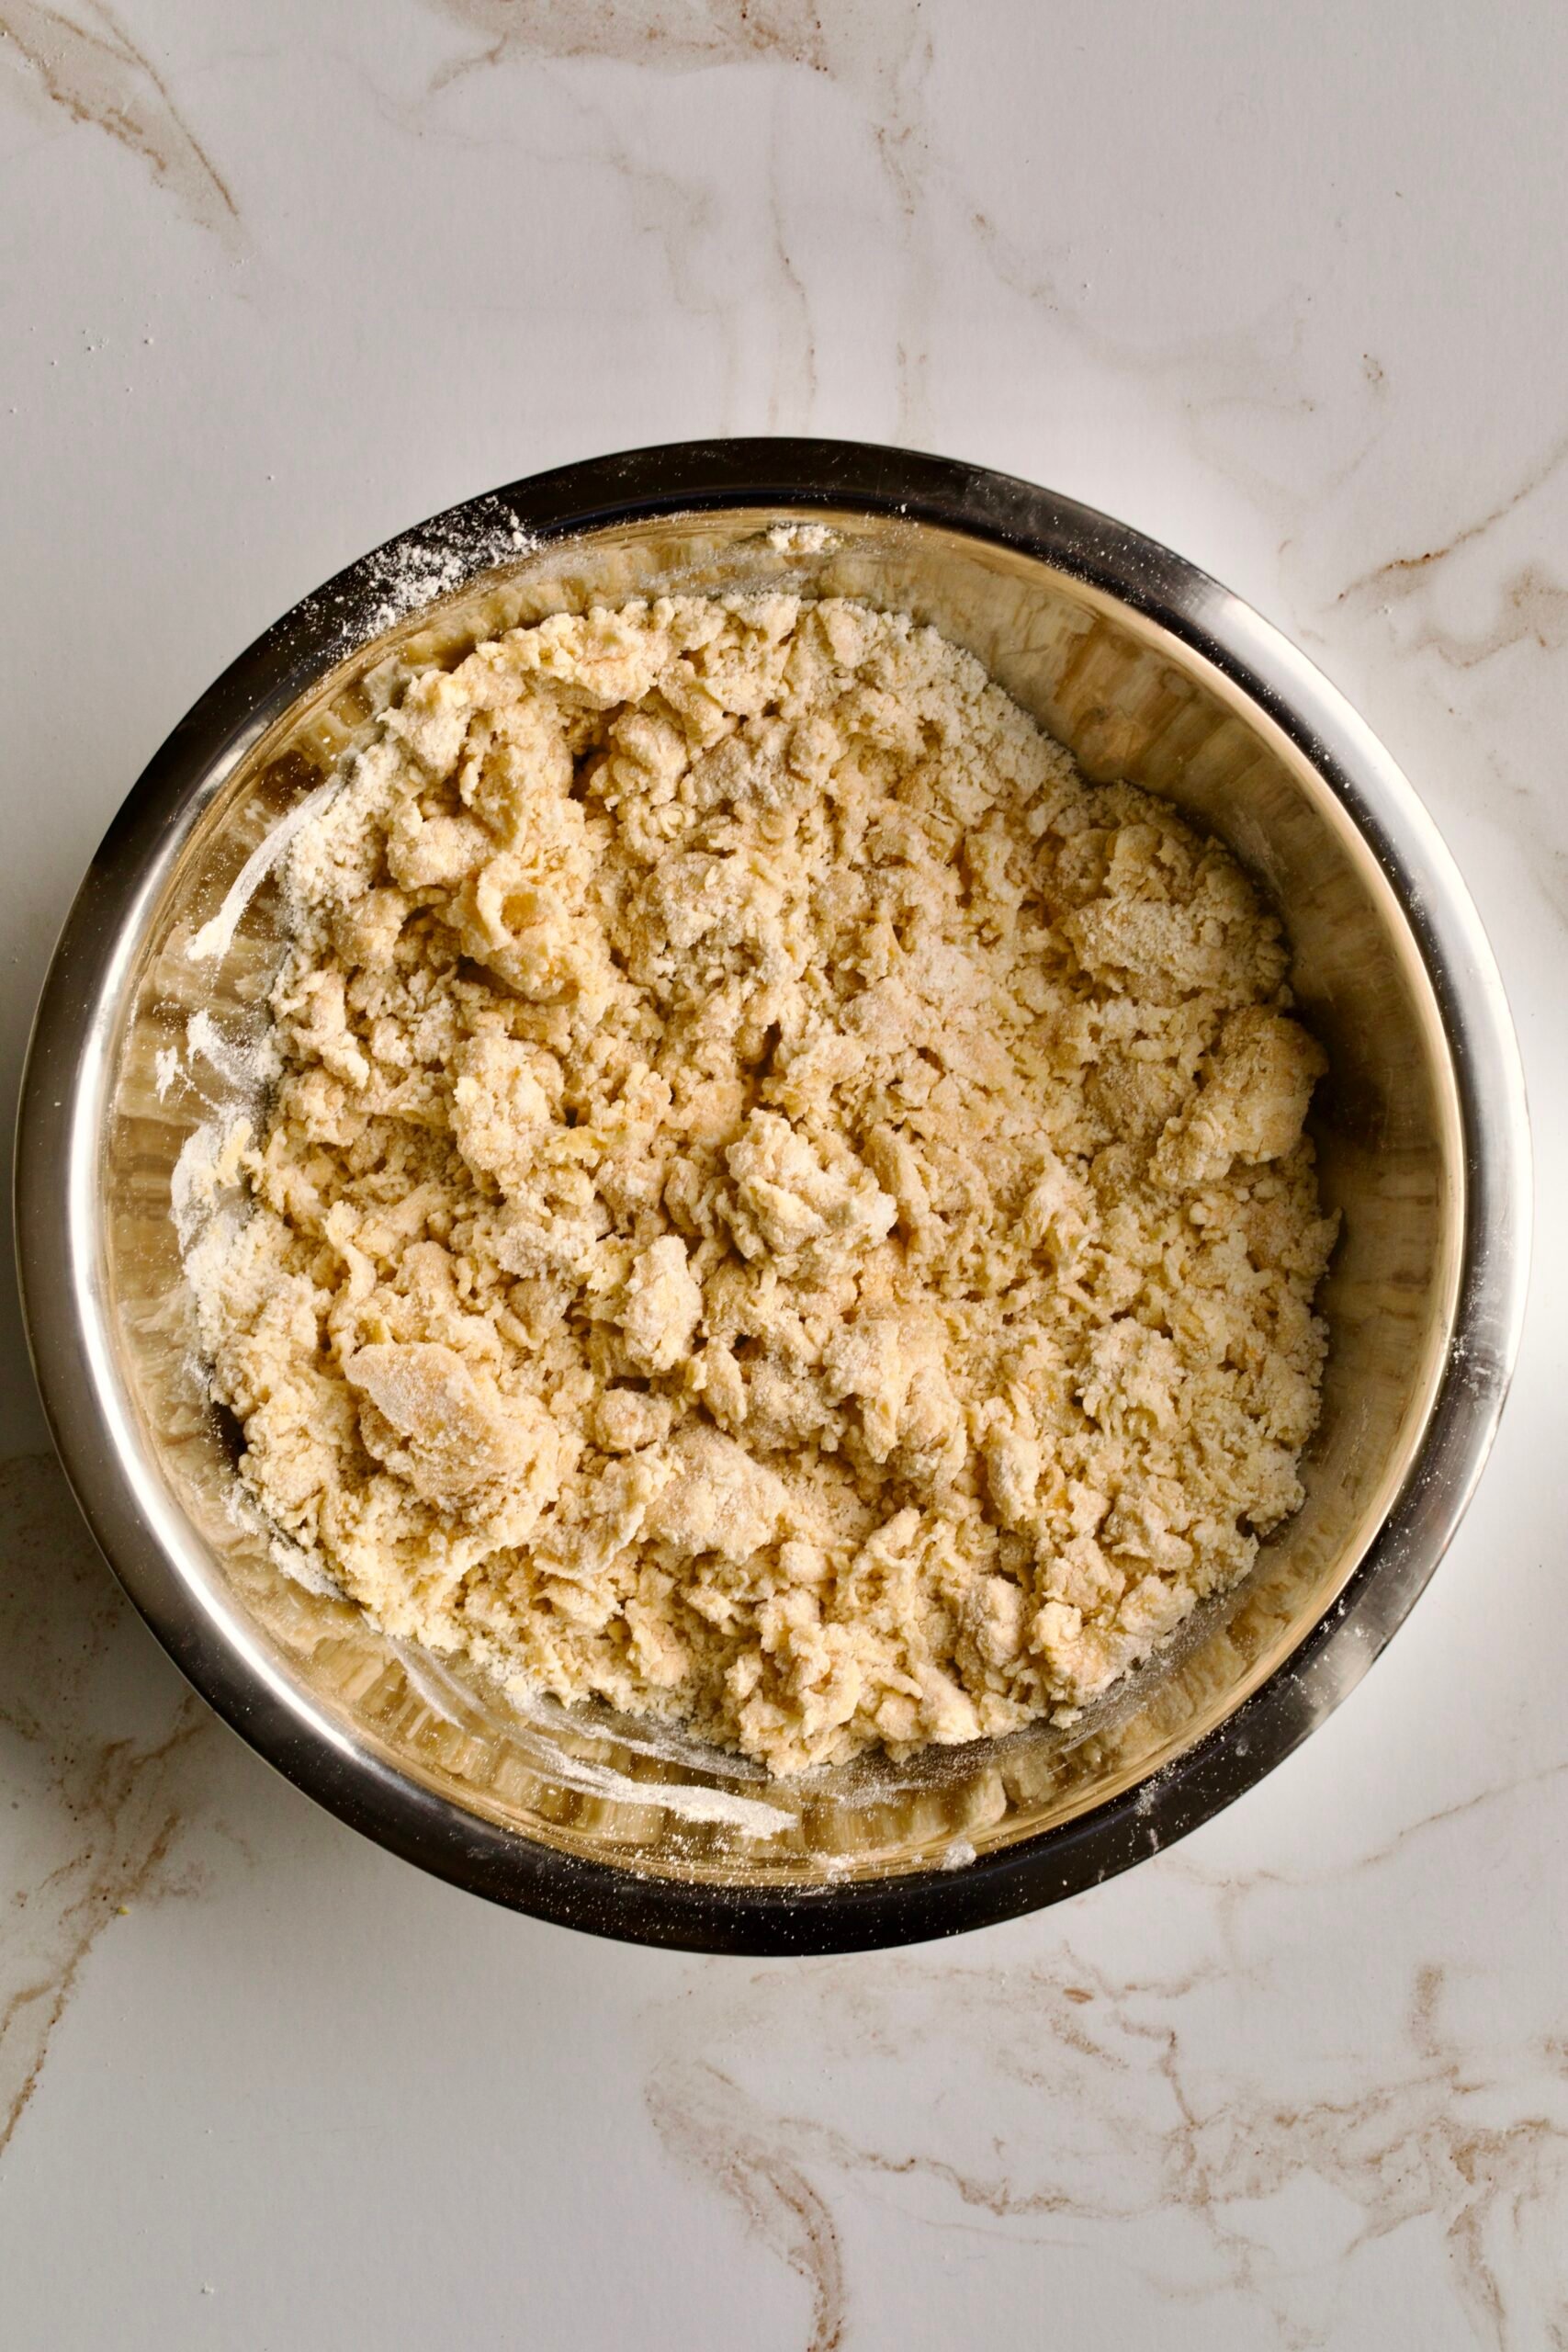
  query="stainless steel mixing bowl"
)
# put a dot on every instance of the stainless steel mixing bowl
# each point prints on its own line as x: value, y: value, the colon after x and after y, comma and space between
x: 1147, y: 669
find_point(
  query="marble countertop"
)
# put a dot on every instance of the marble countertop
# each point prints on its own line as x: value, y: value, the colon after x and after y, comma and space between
x: 1284, y: 287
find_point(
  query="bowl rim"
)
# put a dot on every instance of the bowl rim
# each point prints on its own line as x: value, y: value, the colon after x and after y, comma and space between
x: 59, y: 1128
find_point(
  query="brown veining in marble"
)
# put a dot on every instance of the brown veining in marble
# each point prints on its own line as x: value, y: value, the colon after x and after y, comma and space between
x: 876, y: 50
x: 708, y: 2123
x: 1532, y: 609
x: 92, y: 71
x: 1402, y: 573
x: 679, y: 35
x: 1250, y: 396
x: 103, y: 1751
x: 1131, y: 2113
x: 794, y: 393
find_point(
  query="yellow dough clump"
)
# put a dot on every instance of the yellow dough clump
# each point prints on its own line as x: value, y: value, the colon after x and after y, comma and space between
x: 786, y: 1208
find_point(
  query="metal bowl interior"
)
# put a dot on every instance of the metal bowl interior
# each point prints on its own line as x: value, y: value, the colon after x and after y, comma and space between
x: 1144, y: 669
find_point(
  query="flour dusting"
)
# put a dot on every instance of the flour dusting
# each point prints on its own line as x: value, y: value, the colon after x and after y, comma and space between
x: 423, y: 567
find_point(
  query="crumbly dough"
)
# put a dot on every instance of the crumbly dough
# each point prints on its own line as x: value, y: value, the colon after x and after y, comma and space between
x: 785, y: 1207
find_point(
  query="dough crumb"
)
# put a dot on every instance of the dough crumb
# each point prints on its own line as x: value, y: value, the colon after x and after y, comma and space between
x: 784, y: 1208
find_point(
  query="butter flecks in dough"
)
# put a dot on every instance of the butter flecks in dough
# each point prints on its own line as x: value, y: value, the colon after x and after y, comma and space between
x: 784, y: 1206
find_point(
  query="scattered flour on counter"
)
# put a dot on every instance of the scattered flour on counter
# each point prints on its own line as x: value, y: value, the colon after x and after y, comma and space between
x: 785, y: 1210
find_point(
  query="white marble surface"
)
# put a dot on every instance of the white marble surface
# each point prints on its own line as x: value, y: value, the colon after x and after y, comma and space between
x: 1284, y: 287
